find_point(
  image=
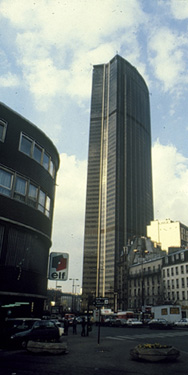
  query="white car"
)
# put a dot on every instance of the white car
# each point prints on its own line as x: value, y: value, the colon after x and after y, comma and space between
x: 133, y: 322
x: 182, y: 323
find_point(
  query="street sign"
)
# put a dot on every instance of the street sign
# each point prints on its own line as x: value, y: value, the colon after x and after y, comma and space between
x: 101, y: 302
x: 58, y: 266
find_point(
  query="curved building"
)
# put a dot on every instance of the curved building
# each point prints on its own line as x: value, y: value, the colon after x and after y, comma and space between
x: 28, y: 165
x: 119, y: 202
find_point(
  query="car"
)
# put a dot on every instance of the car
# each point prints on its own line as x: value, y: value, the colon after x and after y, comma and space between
x: 43, y: 330
x: 121, y: 322
x: 182, y: 323
x: 14, y: 325
x: 112, y: 322
x: 133, y: 322
x: 160, y: 324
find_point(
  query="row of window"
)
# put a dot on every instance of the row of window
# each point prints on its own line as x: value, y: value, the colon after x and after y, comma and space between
x: 177, y: 296
x: 31, y: 148
x: 17, y: 187
x: 175, y: 270
x: 174, y: 257
x: 172, y: 283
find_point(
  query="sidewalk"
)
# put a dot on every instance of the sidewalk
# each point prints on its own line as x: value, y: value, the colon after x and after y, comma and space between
x: 112, y: 357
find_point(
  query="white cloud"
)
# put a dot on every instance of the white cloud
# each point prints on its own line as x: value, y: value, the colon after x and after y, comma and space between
x: 68, y: 223
x: 179, y: 9
x: 57, y: 42
x: 170, y: 183
x: 9, y: 80
x: 167, y: 51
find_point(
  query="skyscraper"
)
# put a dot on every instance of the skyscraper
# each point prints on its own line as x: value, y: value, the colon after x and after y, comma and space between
x: 119, y: 201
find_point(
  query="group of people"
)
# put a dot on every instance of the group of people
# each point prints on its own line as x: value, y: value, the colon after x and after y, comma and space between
x: 74, y: 326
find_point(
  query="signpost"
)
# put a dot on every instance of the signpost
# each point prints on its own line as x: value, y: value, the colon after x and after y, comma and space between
x: 99, y: 302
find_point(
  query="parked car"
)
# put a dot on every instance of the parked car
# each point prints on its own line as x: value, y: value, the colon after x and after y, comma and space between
x: 160, y: 324
x: 121, y: 322
x: 182, y: 323
x: 14, y: 325
x: 112, y: 322
x: 43, y: 330
x: 134, y: 323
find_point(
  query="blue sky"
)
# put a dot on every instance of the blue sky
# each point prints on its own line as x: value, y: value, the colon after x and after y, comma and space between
x: 47, y: 51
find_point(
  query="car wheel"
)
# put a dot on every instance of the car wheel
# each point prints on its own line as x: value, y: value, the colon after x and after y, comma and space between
x: 24, y: 344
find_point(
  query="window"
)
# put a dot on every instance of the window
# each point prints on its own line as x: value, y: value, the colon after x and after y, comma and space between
x: 177, y: 271
x: 41, y: 202
x: 186, y: 268
x: 182, y: 255
x: 182, y: 269
x: 177, y: 283
x: 32, y: 195
x: 172, y: 271
x: 52, y: 168
x: 6, y: 179
x: 26, y: 145
x: 37, y: 153
x: 168, y: 272
x: 47, y: 206
x: 183, y: 283
x: 20, y: 188
x: 46, y: 161
x: 3, y: 128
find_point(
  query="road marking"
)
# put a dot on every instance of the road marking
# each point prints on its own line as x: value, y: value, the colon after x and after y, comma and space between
x: 146, y: 336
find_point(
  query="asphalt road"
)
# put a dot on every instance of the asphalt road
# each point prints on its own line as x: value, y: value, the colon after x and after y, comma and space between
x: 109, y: 356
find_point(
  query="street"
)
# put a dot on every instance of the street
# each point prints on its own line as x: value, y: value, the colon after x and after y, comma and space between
x: 110, y: 356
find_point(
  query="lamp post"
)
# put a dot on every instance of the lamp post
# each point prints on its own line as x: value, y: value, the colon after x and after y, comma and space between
x: 73, y: 290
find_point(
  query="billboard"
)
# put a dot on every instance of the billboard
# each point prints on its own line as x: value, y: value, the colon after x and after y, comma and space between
x: 58, y: 266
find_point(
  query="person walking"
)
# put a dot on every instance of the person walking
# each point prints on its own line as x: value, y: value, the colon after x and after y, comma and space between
x: 74, y: 325
x: 83, y: 333
x: 66, y: 327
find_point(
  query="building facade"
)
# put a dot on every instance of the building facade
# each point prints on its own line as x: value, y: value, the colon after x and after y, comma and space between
x: 158, y: 279
x: 168, y: 233
x: 175, y: 278
x: 119, y: 201
x: 28, y: 165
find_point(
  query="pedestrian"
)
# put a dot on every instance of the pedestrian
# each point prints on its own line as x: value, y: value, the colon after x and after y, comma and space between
x: 66, y: 326
x: 83, y: 333
x: 74, y: 325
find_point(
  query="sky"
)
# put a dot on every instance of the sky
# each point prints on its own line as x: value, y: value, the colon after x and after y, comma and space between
x: 47, y: 52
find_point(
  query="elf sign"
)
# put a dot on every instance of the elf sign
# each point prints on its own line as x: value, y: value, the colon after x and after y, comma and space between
x: 58, y: 266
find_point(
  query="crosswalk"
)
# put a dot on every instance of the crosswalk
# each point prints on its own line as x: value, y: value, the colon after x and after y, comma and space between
x: 154, y: 335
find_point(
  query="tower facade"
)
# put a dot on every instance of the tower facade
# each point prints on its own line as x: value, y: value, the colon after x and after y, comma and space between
x: 119, y: 201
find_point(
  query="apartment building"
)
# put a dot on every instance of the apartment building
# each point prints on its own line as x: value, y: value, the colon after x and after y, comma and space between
x: 175, y: 278
x: 168, y: 233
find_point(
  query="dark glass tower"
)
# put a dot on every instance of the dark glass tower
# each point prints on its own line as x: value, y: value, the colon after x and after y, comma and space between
x: 119, y: 201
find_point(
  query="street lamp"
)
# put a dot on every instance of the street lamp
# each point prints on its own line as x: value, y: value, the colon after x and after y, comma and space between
x: 73, y: 290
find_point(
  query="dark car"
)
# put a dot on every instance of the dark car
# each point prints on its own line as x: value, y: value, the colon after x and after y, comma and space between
x: 13, y: 326
x: 159, y: 324
x: 121, y: 322
x: 43, y: 330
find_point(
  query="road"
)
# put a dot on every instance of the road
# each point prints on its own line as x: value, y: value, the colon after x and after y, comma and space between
x: 110, y: 356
